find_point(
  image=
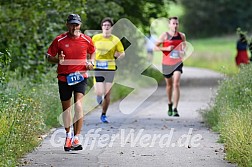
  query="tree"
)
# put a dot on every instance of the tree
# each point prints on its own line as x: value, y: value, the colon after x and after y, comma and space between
x: 211, y: 18
x: 4, y: 64
x: 139, y: 12
x: 28, y: 27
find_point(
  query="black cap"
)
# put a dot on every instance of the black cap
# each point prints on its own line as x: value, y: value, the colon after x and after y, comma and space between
x: 74, y: 18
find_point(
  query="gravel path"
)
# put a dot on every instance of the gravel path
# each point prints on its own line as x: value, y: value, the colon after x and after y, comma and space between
x: 146, y: 137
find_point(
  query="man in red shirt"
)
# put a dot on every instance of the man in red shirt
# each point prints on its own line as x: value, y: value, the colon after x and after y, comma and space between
x: 172, y: 44
x: 70, y: 51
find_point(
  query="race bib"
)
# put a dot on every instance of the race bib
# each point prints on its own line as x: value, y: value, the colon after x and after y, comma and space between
x: 174, y: 54
x: 74, y: 78
x: 102, y: 64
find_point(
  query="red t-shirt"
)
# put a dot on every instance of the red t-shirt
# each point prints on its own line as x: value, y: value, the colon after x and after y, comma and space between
x: 176, y: 41
x: 75, y: 51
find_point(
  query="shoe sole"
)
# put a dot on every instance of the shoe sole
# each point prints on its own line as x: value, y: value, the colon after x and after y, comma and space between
x: 77, y: 148
x: 106, y: 122
x: 176, y: 115
x: 67, y: 148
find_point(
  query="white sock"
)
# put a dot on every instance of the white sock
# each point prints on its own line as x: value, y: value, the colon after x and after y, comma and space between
x: 69, y: 134
x: 76, y: 137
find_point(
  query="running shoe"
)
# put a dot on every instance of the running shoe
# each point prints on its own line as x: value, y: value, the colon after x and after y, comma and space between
x: 175, y: 112
x: 68, y: 144
x: 170, y: 109
x: 104, y: 119
x: 76, y: 144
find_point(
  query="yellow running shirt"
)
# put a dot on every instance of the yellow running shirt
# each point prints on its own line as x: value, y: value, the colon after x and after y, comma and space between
x: 105, y: 51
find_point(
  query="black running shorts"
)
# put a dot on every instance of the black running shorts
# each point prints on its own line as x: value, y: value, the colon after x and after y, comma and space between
x: 66, y: 91
x: 169, y: 70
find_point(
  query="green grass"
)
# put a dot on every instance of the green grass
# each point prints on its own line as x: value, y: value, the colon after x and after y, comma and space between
x: 236, y: 131
x: 21, y: 124
x: 217, y: 54
x: 27, y: 110
x: 231, y: 115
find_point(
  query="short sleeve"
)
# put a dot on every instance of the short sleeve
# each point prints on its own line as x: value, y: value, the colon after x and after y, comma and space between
x: 91, y: 48
x: 119, y: 46
x: 53, y: 48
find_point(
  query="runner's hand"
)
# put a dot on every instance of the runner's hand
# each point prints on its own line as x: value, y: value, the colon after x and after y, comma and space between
x: 170, y: 48
x: 90, y: 66
x: 61, y: 57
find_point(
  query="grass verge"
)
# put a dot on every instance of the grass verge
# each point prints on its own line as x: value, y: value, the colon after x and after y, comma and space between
x: 27, y: 110
x: 231, y: 115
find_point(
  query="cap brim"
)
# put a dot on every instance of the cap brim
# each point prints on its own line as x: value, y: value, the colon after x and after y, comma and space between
x: 74, y: 22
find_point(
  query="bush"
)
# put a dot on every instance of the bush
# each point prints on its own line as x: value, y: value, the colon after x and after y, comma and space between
x: 204, y: 19
x: 21, y: 122
x: 4, y: 65
x: 236, y: 131
x: 231, y: 115
x: 27, y: 110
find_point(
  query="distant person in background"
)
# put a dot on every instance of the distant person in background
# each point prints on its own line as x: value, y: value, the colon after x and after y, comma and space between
x: 242, y: 54
x: 150, y: 44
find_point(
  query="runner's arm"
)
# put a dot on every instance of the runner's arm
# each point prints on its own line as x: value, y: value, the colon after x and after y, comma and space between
x: 90, y: 63
x: 160, y: 40
x: 119, y: 55
x: 184, y: 42
x: 55, y: 59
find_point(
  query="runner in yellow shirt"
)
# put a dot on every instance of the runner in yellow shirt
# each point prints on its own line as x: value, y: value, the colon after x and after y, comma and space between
x: 108, y: 48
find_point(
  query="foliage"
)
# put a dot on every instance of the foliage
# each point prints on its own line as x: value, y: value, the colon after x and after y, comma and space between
x: 231, y: 115
x: 5, y: 59
x: 96, y: 12
x: 236, y: 133
x: 21, y: 122
x: 211, y: 18
x: 25, y: 114
x: 138, y: 13
x: 28, y: 27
